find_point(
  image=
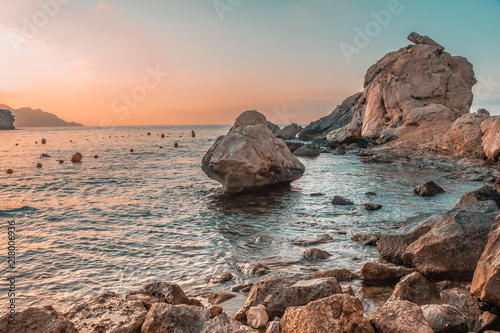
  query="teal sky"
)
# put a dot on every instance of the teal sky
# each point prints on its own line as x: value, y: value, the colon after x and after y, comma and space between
x: 281, y: 57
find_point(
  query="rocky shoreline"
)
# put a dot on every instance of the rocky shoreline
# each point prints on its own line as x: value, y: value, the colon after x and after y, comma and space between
x: 443, y: 276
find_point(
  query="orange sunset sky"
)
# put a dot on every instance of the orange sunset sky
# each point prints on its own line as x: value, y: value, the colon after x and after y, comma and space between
x: 92, y: 62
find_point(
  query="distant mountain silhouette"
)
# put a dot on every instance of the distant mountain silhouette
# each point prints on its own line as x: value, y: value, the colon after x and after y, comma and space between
x: 27, y: 117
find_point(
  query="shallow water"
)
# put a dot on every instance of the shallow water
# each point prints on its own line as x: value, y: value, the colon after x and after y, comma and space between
x: 126, y: 219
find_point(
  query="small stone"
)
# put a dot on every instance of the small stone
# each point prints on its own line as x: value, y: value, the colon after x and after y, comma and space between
x: 273, y: 326
x: 428, y: 189
x: 269, y: 299
x: 257, y: 317
x: 316, y: 254
x: 366, y: 238
x: 76, y: 158
x: 371, y: 206
x: 341, y: 201
x: 214, y: 311
x: 221, y: 278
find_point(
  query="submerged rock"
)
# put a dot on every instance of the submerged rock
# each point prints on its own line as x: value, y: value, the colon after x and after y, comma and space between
x: 366, y: 238
x: 108, y: 312
x: 250, y: 156
x: 337, y: 313
x: 341, y: 274
x: 220, y: 297
x: 341, y: 201
x: 428, y: 189
x: 310, y: 240
x: 253, y: 269
x: 164, y: 292
x: 316, y: 254
x: 46, y: 320
x: 307, y: 150
x: 486, y: 281
x: 372, y: 206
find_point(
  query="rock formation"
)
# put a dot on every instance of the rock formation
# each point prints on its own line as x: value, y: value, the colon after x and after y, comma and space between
x: 413, y: 94
x: 491, y: 141
x: 250, y: 156
x: 6, y: 120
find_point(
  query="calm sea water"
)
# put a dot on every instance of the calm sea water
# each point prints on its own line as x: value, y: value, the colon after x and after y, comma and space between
x: 126, y: 219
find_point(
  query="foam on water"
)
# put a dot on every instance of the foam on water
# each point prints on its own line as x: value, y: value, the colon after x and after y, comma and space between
x: 127, y: 219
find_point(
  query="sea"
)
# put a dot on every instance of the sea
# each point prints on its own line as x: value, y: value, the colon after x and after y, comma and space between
x: 125, y: 219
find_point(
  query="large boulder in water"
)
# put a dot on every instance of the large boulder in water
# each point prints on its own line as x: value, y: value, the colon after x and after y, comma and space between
x: 6, y: 120
x: 250, y: 156
x: 486, y: 281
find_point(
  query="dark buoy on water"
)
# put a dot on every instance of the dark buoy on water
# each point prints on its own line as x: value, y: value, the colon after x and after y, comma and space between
x: 176, y: 145
x: 193, y: 134
x: 96, y: 156
x: 163, y: 136
x: 161, y: 147
x: 39, y: 165
x: 44, y: 141
x: 76, y: 158
x: 131, y: 150
x: 61, y: 161
x: 10, y: 171
x: 149, y: 133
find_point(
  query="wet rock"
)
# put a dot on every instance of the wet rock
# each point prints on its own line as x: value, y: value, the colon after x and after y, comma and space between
x: 366, y: 238
x: 257, y: 316
x: 316, y: 254
x: 370, y: 193
x: 399, y: 317
x: 340, y: 274
x: 416, y: 289
x: 233, y: 305
x: 491, y: 141
x: 378, y: 274
x: 341, y: 201
x: 348, y: 290
x: 220, y: 297
x: 165, y: 292
x: 250, y: 156
x: 76, y: 158
x: 221, y: 278
x: 428, y: 189
x: 337, y: 313
x: 486, y: 125
x: 244, y: 288
x: 294, y: 145
x: 146, y: 300
x: 453, y: 246
x: 461, y: 299
x: 445, y: 319
x: 166, y: 318
x: 253, y: 269
x: 46, y: 320
x: 307, y: 150
x: 310, y: 240
x: 316, y: 194
x: 377, y: 158
x: 289, y: 132
x: 287, y: 291
x: 108, y: 312
x: 486, y: 281
x: 372, y: 206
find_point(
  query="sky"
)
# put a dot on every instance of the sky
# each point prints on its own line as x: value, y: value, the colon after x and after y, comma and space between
x: 169, y: 62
